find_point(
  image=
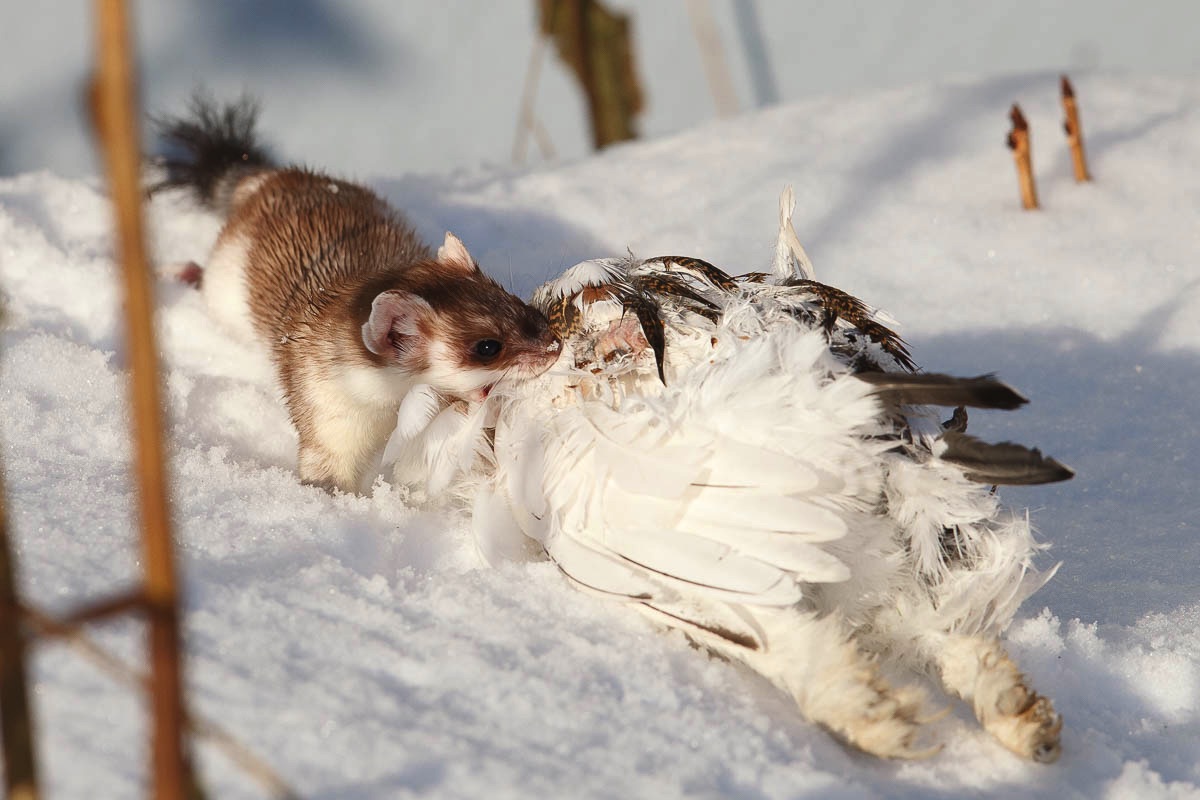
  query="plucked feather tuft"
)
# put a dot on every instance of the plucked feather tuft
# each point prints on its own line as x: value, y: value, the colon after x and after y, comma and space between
x: 790, y: 259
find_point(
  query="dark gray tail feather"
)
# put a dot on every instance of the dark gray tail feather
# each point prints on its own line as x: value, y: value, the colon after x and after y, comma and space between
x: 1006, y: 463
x: 931, y: 388
x: 207, y: 149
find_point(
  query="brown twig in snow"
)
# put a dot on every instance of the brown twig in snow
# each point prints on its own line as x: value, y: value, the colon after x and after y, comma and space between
x: 1074, y: 131
x: 1018, y: 142
x: 115, y: 107
x: 16, y: 717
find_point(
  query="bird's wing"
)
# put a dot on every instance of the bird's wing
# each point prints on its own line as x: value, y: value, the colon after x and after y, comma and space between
x: 738, y: 482
x: 707, y: 445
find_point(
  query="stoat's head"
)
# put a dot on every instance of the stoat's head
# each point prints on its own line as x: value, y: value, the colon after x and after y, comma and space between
x: 452, y: 327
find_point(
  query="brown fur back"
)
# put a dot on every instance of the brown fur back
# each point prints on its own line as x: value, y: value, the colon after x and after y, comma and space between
x: 314, y: 239
x: 314, y: 243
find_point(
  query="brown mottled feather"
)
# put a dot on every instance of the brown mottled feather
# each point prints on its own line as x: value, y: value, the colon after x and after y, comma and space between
x: 650, y: 317
x: 699, y: 268
x: 645, y: 292
x: 669, y: 286
x: 563, y: 312
x: 837, y: 304
x: 563, y: 316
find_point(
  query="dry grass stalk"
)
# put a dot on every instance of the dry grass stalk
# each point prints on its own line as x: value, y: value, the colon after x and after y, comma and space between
x: 527, y: 119
x: 1018, y: 142
x: 115, y: 106
x: 712, y: 56
x: 16, y: 717
x: 1074, y: 131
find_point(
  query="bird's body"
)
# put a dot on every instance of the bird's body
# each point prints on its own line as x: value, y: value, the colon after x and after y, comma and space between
x: 750, y: 460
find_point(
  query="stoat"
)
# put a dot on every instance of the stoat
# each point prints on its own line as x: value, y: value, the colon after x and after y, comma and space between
x: 354, y: 308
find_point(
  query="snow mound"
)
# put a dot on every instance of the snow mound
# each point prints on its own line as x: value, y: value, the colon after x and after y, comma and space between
x: 356, y: 643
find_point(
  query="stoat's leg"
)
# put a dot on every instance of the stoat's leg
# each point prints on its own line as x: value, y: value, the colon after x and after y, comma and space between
x: 339, y: 452
x: 341, y: 440
x: 188, y: 272
x: 977, y: 669
x: 192, y: 274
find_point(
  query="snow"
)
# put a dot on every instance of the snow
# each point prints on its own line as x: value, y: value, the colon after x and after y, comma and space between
x: 359, y: 646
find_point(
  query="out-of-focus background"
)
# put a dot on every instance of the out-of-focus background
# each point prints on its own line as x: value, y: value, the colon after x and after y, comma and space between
x: 372, y: 87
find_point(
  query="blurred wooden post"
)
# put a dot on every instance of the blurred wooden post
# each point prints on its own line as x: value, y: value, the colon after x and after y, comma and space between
x: 115, y: 106
x: 1074, y: 131
x: 16, y: 718
x: 1018, y: 142
x: 596, y: 44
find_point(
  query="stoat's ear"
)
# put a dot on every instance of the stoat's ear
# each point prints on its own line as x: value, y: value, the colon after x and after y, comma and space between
x: 394, y: 323
x: 453, y: 253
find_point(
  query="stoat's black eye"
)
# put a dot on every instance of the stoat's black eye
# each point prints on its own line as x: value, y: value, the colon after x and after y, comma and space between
x: 487, y: 349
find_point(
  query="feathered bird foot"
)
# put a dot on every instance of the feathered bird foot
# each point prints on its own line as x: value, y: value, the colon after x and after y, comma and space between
x: 978, y: 669
x: 1026, y: 723
x: 864, y: 710
x: 889, y: 725
x: 835, y: 684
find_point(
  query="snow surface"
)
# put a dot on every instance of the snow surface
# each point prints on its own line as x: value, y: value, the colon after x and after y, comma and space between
x: 356, y: 643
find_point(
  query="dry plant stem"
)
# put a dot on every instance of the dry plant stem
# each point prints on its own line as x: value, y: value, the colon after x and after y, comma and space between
x: 712, y: 55
x: 1018, y: 142
x: 16, y: 717
x: 1074, y: 131
x: 545, y: 143
x: 115, y: 106
x: 527, y: 121
x: 69, y: 633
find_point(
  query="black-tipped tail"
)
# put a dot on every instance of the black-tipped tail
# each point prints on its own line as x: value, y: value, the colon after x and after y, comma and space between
x: 1006, y: 463
x: 208, y: 148
x: 931, y: 388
